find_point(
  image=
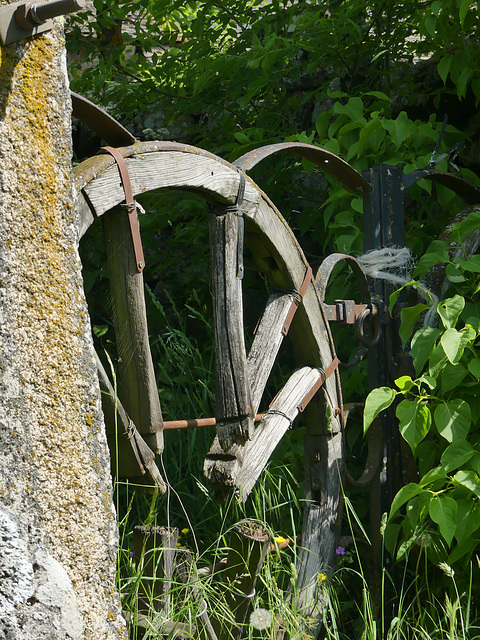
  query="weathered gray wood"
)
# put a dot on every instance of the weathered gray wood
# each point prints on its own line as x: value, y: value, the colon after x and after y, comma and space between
x: 267, y: 343
x: 273, y: 426
x: 281, y: 259
x: 233, y: 403
x: 155, y: 549
x: 138, y: 387
x: 321, y: 520
x: 249, y: 543
x: 129, y: 454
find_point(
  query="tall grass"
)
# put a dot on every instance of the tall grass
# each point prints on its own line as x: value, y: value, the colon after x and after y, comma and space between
x: 423, y: 606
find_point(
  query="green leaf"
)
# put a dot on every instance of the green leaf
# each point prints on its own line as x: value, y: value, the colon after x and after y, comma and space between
x: 438, y: 361
x: 468, y: 518
x: 378, y: 94
x: 464, y: 7
x: 437, y: 253
x: 438, y: 473
x: 353, y: 109
x: 443, y: 511
x: 404, y: 383
x: 405, y: 494
x: 452, y: 376
x: 469, y: 480
x: 454, y: 273
x: 371, y: 136
x: 443, y: 67
x: 453, y: 419
x: 403, y: 128
x: 456, y: 455
x: 460, y: 550
x: 409, y: 318
x: 422, y: 344
x: 451, y: 342
x: 466, y: 227
x: 390, y: 536
x: 415, y: 421
x: 474, y: 368
x: 428, y: 380
x: 450, y: 309
x: 472, y: 264
x: 377, y: 400
x: 321, y: 124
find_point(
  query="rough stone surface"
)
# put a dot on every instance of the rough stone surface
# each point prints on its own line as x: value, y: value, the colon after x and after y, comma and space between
x: 58, y: 533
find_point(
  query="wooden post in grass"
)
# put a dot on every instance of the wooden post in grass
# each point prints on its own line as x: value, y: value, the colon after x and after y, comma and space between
x: 155, y: 549
x: 249, y: 545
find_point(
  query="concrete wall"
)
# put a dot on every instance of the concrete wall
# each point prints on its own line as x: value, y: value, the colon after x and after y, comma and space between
x: 58, y: 536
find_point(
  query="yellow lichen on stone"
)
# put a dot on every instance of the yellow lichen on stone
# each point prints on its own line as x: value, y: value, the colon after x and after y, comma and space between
x: 60, y: 484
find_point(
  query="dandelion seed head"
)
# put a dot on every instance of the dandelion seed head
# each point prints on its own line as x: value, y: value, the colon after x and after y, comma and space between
x: 260, y: 619
x: 424, y: 540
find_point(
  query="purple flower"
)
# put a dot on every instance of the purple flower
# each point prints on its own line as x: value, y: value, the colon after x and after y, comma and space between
x: 340, y: 551
x: 131, y: 554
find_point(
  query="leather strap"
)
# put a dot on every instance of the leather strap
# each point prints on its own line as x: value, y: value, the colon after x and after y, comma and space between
x: 325, y: 375
x: 297, y: 301
x: 131, y: 207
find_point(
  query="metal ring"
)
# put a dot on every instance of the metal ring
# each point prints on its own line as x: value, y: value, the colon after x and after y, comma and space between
x: 360, y: 328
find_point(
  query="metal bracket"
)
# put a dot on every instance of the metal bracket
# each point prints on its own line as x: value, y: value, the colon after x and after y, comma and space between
x: 344, y: 311
x: 21, y: 20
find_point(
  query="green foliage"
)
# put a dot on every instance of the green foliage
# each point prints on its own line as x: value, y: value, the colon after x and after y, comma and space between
x: 438, y: 415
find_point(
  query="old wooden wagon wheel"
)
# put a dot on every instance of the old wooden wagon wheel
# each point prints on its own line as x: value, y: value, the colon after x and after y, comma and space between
x: 240, y: 451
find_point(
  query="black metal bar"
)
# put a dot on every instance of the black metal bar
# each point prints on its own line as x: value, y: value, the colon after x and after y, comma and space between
x: 384, y: 226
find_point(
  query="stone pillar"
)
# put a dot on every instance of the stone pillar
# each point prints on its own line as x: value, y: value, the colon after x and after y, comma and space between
x: 58, y: 534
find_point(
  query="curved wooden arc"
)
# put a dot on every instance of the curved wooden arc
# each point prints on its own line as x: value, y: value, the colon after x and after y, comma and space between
x: 332, y: 164
x: 279, y: 256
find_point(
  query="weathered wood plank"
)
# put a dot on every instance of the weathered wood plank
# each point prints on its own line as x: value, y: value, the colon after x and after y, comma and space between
x: 275, y: 423
x: 266, y: 345
x: 136, y: 373
x: 233, y: 413
x: 129, y: 454
x: 155, y: 549
x: 204, y: 175
x: 248, y: 547
x: 321, y: 520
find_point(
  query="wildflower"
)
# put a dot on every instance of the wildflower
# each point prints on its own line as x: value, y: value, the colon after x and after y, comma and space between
x: 321, y: 577
x: 340, y: 551
x: 280, y: 539
x: 131, y: 554
x: 260, y: 619
x: 185, y: 531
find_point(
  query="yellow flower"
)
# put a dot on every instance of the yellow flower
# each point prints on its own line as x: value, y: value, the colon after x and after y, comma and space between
x: 185, y: 531
x: 280, y: 539
x: 321, y: 577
